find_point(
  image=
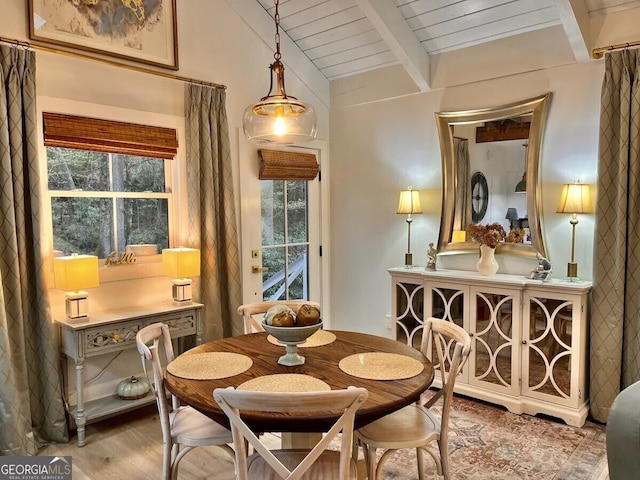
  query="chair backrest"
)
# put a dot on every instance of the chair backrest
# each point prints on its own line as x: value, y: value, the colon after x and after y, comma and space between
x: 448, y: 345
x: 250, y: 310
x: 346, y: 401
x: 148, y: 341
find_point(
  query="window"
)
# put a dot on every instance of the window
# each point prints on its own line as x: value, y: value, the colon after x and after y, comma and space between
x: 109, y: 185
x: 103, y: 202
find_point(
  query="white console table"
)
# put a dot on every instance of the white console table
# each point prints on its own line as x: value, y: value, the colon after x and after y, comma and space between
x: 112, y: 332
x: 529, y: 338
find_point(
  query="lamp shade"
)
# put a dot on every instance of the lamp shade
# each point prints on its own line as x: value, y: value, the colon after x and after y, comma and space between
x: 459, y: 236
x: 180, y: 262
x: 575, y: 198
x: 512, y: 214
x: 409, y: 202
x: 281, y: 121
x: 75, y: 272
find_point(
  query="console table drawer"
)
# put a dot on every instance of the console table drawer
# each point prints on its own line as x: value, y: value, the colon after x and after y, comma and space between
x: 112, y: 337
x: 179, y: 325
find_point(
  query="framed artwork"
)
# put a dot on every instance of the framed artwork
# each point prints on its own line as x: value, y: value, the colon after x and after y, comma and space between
x: 143, y: 31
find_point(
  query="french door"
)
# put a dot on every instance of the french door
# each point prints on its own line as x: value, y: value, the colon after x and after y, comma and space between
x: 281, y: 232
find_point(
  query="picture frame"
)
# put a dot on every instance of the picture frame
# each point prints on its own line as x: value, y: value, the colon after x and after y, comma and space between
x: 143, y: 31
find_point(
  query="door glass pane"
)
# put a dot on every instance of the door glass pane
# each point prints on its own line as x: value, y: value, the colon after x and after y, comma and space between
x: 285, y: 239
x: 410, y: 313
x: 448, y: 304
x: 493, y: 344
x: 273, y: 212
x: 273, y: 258
x: 550, y: 346
x: 297, y: 211
x: 297, y: 273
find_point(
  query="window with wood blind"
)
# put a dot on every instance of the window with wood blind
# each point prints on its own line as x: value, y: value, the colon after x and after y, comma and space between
x: 109, y: 185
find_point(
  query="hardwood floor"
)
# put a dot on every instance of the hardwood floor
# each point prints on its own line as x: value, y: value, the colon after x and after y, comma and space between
x: 116, y: 451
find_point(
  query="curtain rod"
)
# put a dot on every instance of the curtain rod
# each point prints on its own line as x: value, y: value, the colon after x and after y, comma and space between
x: 171, y: 76
x: 600, y: 51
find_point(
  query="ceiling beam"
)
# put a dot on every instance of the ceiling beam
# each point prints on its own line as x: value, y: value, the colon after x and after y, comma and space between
x: 392, y: 27
x: 296, y: 62
x: 575, y: 21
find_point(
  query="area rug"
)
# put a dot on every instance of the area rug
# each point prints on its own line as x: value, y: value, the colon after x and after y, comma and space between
x: 488, y: 442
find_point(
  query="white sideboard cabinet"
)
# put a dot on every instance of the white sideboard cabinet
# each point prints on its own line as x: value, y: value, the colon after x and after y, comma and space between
x: 528, y: 337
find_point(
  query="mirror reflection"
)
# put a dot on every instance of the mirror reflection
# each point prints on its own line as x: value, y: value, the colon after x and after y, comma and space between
x: 490, y: 175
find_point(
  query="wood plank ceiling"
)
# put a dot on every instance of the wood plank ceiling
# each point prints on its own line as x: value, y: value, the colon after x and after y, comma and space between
x: 347, y: 37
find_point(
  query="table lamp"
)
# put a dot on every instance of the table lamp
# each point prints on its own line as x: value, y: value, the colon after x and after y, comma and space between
x: 74, y: 273
x: 575, y: 198
x: 408, y: 205
x: 181, y: 263
x: 512, y: 216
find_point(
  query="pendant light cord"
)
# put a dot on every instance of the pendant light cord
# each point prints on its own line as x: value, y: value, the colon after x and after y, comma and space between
x: 276, y: 17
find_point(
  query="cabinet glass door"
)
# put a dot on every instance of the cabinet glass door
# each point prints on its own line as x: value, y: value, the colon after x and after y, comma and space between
x: 447, y: 302
x: 409, y: 305
x: 548, y: 340
x: 495, y: 324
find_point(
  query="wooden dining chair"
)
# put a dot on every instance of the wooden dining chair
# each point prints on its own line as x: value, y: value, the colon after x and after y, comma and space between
x: 250, y: 312
x: 182, y: 426
x: 291, y: 464
x: 416, y: 425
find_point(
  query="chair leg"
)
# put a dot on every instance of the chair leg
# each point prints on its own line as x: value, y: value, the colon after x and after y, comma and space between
x: 444, y: 458
x: 167, y: 460
x: 420, y: 460
x: 378, y: 469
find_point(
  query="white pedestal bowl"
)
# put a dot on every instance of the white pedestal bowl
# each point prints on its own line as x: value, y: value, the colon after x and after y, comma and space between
x: 291, y: 337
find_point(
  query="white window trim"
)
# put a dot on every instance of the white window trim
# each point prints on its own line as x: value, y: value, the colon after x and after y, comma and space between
x: 151, y: 266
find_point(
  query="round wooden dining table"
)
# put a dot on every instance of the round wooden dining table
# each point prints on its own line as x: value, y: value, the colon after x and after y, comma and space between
x: 321, y: 362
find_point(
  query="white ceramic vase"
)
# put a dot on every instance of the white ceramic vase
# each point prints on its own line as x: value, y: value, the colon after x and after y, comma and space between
x: 487, y: 264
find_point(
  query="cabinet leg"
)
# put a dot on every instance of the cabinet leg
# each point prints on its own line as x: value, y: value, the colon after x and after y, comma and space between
x: 80, y: 418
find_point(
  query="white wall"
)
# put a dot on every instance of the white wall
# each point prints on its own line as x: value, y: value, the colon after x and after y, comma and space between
x: 379, y: 148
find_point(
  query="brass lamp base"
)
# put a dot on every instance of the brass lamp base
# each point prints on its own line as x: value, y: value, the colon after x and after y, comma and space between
x: 408, y: 258
x: 572, y: 270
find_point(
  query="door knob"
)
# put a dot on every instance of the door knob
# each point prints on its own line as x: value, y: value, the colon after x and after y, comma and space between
x: 258, y: 269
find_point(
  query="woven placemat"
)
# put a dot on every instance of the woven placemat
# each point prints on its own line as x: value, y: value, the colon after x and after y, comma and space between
x: 285, y: 382
x: 209, y: 365
x: 380, y: 366
x: 319, y: 338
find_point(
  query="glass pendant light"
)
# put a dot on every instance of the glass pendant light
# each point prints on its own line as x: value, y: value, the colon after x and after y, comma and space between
x: 279, y: 118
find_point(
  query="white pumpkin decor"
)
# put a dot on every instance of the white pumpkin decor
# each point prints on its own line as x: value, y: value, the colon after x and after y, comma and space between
x: 133, y: 388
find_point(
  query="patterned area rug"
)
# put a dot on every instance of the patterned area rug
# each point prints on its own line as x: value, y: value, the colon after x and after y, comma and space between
x: 488, y: 442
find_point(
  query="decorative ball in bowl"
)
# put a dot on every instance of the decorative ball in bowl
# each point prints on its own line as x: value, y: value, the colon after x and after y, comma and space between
x: 291, y: 337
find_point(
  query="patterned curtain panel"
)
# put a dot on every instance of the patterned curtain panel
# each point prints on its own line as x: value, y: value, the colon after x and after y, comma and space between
x: 463, y: 187
x: 615, y: 319
x: 212, y: 215
x: 31, y: 406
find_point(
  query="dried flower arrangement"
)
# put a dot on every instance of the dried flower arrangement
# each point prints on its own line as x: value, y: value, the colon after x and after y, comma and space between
x: 516, y: 235
x: 490, y: 235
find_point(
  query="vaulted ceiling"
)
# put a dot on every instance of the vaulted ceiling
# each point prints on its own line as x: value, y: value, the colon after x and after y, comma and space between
x: 342, y: 38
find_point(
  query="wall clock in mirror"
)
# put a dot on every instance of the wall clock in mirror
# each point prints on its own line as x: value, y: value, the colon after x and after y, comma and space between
x: 479, y: 197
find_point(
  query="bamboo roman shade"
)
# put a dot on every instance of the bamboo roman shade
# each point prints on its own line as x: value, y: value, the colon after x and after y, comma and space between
x: 85, y: 133
x: 281, y: 165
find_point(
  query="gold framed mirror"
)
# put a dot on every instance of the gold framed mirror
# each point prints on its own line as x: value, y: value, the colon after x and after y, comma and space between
x: 458, y: 169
